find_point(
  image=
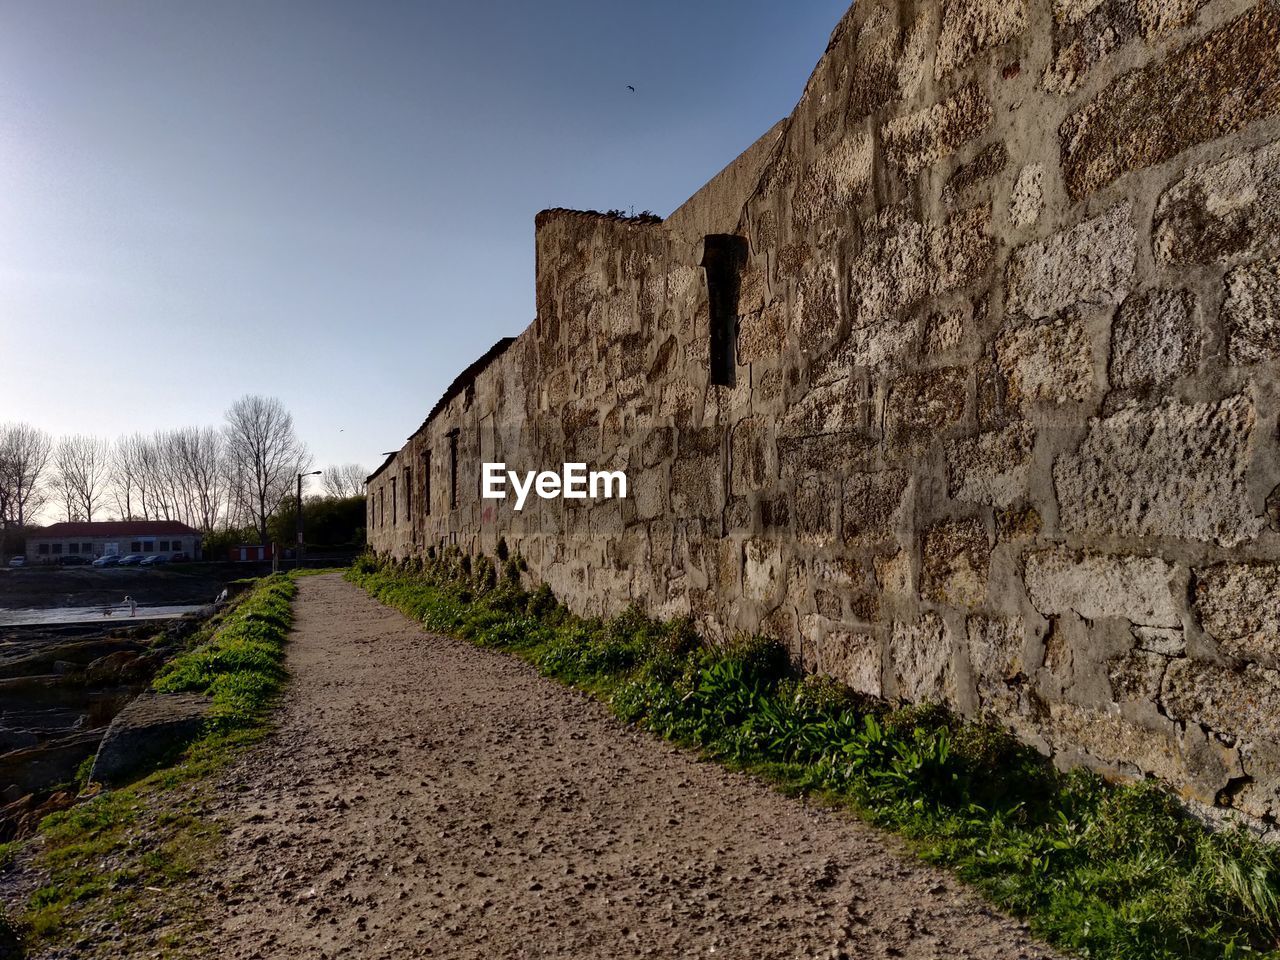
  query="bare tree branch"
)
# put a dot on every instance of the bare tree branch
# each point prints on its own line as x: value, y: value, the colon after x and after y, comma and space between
x: 344, y: 481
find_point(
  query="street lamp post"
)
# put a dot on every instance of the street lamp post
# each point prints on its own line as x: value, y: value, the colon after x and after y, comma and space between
x: 298, y: 556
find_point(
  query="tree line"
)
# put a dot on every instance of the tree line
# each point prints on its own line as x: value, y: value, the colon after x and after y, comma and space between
x: 214, y: 478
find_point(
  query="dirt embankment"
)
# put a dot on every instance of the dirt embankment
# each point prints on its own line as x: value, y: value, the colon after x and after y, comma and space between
x: 425, y: 798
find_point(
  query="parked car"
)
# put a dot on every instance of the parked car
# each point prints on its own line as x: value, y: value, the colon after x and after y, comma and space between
x: 17, y: 561
x: 107, y: 560
x: 73, y: 560
x: 179, y: 558
x: 131, y: 560
x: 153, y: 561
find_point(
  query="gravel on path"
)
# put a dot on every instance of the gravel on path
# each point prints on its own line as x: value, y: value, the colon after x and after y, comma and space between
x: 427, y: 798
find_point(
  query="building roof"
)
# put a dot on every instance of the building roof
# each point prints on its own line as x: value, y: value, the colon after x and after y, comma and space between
x: 468, y: 376
x: 113, y: 528
x: 460, y: 383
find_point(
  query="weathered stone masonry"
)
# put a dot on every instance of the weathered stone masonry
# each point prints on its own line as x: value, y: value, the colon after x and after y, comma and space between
x: 1003, y: 425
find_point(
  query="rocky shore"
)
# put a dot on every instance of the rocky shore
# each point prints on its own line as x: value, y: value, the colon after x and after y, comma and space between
x: 60, y: 689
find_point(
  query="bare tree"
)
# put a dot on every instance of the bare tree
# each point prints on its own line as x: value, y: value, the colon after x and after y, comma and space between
x: 344, y: 481
x: 128, y: 483
x: 162, y: 467
x: 24, y: 459
x: 81, y: 463
x: 196, y: 456
x: 266, y: 455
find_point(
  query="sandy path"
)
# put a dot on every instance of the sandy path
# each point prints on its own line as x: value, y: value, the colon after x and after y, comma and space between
x: 426, y: 798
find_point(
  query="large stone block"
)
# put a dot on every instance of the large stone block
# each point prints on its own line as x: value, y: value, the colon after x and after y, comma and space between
x: 696, y: 483
x: 922, y: 404
x: 991, y: 468
x: 649, y: 494
x: 920, y: 652
x: 971, y: 26
x: 1087, y: 32
x: 901, y: 262
x: 955, y: 563
x: 920, y: 139
x: 751, y: 456
x: 893, y: 576
x: 1049, y: 363
x: 1096, y: 586
x: 961, y: 249
x: 1251, y: 313
x: 1222, y: 210
x: 657, y: 445
x: 875, y: 78
x: 1136, y: 676
x: 853, y: 658
x: 1212, y: 87
x: 1239, y: 606
x: 996, y: 659
x: 1154, y: 339
x: 763, y: 334
x: 892, y: 270
x: 816, y: 507
x: 872, y: 505
x: 1129, y: 748
x: 1161, y: 17
x: 830, y: 408
x: 840, y: 571
x: 1177, y: 471
x: 835, y: 181
x: 818, y: 309
x: 1243, y: 703
x: 826, y: 452
x: 762, y: 570
x: 1092, y: 262
x: 945, y: 331
x: 885, y: 346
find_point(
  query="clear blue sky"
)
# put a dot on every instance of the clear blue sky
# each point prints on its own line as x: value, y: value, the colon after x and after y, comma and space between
x: 333, y: 202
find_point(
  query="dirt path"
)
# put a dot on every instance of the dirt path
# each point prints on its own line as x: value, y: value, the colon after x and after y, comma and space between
x: 426, y: 798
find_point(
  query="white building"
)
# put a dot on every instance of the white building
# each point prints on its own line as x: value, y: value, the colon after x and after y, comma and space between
x: 120, y: 537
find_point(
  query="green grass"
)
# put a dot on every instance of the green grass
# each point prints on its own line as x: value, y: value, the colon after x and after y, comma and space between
x: 129, y: 851
x: 241, y: 666
x: 1104, y: 871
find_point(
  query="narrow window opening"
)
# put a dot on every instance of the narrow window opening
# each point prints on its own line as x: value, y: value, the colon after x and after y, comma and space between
x: 394, y: 502
x: 382, y: 506
x: 723, y: 257
x: 426, y: 484
x: 453, y: 468
x: 408, y: 494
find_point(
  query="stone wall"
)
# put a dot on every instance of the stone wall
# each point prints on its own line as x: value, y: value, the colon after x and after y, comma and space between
x: 1004, y: 428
